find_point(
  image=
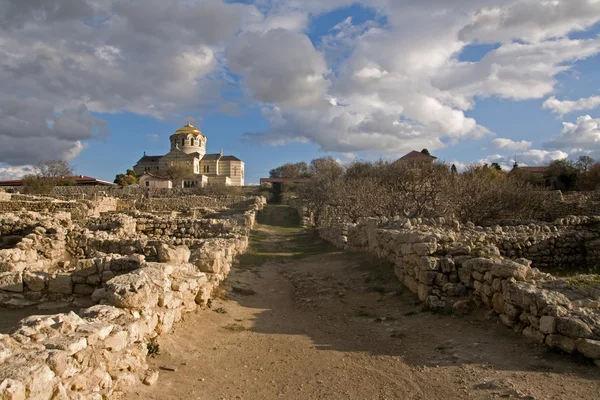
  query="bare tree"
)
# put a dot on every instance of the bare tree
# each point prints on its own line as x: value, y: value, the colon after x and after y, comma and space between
x: 178, y: 172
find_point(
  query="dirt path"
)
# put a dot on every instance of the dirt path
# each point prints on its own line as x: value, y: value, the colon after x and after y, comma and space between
x: 305, y: 321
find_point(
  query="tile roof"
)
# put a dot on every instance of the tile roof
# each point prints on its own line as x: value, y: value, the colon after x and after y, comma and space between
x: 149, y: 159
x: 413, y: 155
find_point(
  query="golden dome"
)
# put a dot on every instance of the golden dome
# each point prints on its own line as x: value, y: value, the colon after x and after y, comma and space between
x: 188, y: 129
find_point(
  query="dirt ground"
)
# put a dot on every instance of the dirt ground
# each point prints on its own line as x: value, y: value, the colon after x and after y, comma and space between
x: 302, y: 320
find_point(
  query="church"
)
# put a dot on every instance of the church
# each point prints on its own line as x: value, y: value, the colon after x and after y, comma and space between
x: 188, y: 146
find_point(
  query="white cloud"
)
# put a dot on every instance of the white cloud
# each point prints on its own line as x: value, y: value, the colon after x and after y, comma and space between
x: 533, y: 157
x: 563, y: 107
x: 583, y: 136
x: 280, y: 67
x: 385, y: 87
x: 531, y: 20
x: 509, y: 144
x: 10, y: 173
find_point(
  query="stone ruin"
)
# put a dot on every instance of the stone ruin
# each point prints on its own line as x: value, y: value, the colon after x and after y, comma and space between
x: 453, y: 266
x: 131, y: 268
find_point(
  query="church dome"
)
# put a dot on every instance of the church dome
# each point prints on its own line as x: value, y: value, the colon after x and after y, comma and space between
x: 188, y: 129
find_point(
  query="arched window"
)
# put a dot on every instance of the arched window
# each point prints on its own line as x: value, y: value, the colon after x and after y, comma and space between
x: 234, y: 171
x: 183, y: 142
x: 192, y: 141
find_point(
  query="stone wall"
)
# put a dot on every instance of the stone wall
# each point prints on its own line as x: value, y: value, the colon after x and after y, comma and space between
x: 443, y: 263
x: 91, y: 354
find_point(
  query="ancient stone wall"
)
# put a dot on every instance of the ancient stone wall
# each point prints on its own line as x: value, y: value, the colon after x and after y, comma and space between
x: 104, y: 347
x: 442, y: 261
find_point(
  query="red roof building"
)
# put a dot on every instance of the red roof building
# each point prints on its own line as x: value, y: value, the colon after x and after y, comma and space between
x: 80, y: 180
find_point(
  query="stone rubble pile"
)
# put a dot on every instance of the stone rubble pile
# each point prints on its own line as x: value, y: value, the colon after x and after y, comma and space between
x: 106, y: 260
x: 448, y: 265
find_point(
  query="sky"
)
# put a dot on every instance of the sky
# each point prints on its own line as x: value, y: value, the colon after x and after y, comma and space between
x: 98, y: 82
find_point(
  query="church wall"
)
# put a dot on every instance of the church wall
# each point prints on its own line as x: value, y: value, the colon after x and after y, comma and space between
x: 142, y: 167
x: 214, y: 168
x: 233, y: 169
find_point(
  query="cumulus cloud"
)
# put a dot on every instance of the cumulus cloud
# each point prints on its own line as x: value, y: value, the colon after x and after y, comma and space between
x: 10, y: 173
x: 533, y: 157
x: 509, y: 144
x: 156, y: 57
x: 563, y: 107
x: 389, y: 85
x: 280, y: 67
x: 583, y: 136
x: 531, y: 20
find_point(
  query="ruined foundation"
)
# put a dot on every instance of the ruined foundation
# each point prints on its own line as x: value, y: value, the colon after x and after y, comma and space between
x: 130, y: 268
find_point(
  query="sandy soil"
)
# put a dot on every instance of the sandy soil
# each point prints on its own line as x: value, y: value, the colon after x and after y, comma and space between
x: 333, y: 325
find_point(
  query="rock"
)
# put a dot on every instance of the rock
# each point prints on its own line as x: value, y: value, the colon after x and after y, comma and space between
x: 151, y: 377
x: 62, y: 364
x: 427, y: 277
x: 507, y: 320
x: 424, y: 291
x: 427, y: 263
x: 98, y: 295
x: 60, y: 284
x: 35, y: 281
x: 100, y: 329
x: 548, y: 324
x: 82, y: 288
x: 117, y: 341
x: 509, y: 269
x: 135, y: 290
x: 434, y: 303
x: 11, y: 389
x: 589, y: 348
x: 534, y: 335
x: 69, y: 344
x: 424, y: 249
x: 11, y: 281
x: 498, y: 303
x: 564, y: 343
x: 174, y: 255
x: 573, y: 327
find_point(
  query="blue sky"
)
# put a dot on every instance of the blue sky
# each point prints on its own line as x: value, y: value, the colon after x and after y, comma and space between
x: 273, y: 81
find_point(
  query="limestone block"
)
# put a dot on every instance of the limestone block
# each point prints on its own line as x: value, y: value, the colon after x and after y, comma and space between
x: 548, y: 324
x: 434, y: 303
x: 424, y: 291
x: 62, y: 364
x: 427, y: 277
x: 35, y: 281
x: 427, y: 263
x: 447, y: 265
x: 509, y: 269
x: 151, y: 377
x: 589, y: 348
x: 82, y: 288
x: 440, y: 280
x: 175, y: 255
x: 545, y: 298
x: 534, y: 335
x: 411, y: 283
x: 573, y: 327
x: 11, y: 281
x: 70, y: 344
x: 424, y: 249
x: 480, y: 264
x: 58, y: 283
x: 11, y: 389
x: 102, y: 312
x: 564, y: 343
x: 100, y: 329
x: 135, y: 290
x: 498, y: 303
x: 116, y: 342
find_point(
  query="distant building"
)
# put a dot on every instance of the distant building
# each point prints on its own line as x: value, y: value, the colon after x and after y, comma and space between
x: 416, y: 156
x: 536, y: 175
x: 79, y: 180
x: 188, y: 145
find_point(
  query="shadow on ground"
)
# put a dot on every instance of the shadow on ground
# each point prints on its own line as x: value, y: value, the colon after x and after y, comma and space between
x: 351, y: 302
